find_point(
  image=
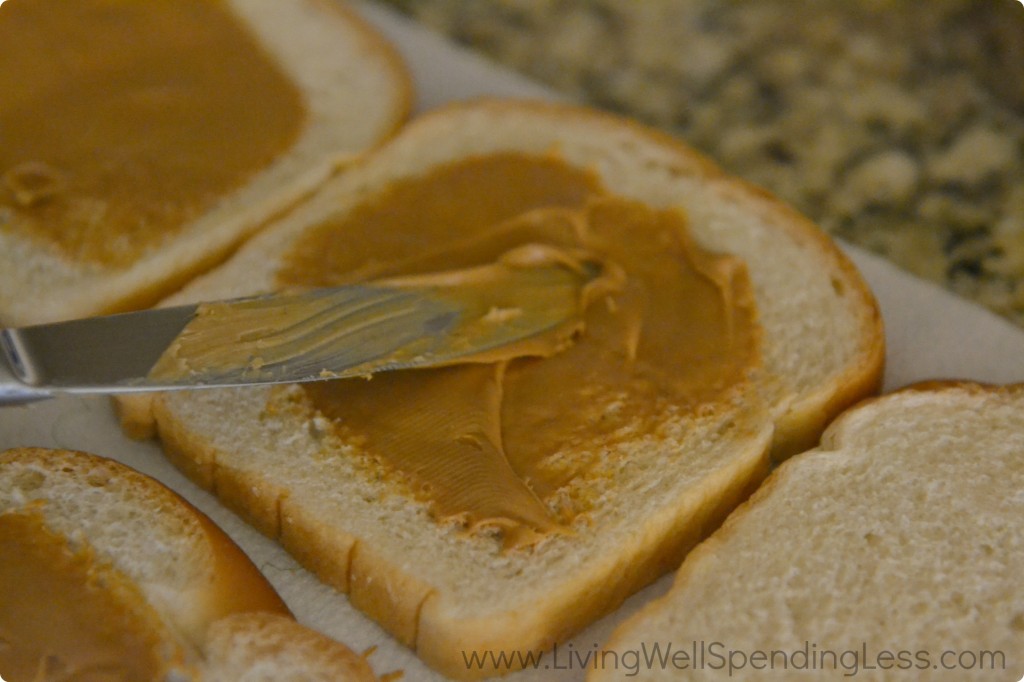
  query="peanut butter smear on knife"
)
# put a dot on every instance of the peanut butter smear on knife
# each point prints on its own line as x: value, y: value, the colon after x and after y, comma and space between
x: 529, y: 302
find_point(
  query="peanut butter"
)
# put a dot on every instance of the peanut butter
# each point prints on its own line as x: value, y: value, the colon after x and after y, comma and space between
x: 65, y: 617
x: 508, y: 446
x: 530, y: 302
x: 121, y: 121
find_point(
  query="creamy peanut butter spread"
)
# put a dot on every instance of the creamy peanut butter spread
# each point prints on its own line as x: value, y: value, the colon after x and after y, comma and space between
x: 529, y: 302
x: 121, y: 121
x: 63, y: 619
x: 504, y: 445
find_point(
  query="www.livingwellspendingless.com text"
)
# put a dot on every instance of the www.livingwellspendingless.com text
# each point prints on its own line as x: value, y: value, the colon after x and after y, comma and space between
x: 718, y: 656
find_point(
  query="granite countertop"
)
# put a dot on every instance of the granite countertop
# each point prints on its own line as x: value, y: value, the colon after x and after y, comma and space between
x: 895, y: 125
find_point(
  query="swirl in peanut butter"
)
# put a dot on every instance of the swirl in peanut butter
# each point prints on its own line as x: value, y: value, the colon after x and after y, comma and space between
x: 506, y: 445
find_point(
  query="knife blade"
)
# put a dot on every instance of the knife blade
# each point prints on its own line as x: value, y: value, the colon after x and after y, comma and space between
x: 318, y: 334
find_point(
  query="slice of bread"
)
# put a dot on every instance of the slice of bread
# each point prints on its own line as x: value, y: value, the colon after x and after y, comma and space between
x: 99, y: 559
x: 355, y: 92
x: 893, y: 551
x: 447, y: 594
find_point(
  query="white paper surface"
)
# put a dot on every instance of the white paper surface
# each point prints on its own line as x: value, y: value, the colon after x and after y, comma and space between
x: 930, y: 334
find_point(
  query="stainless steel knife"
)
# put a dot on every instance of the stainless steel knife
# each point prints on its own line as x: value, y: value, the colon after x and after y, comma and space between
x: 318, y: 334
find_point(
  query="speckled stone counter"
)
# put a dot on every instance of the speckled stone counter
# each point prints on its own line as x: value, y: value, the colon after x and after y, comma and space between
x: 896, y: 125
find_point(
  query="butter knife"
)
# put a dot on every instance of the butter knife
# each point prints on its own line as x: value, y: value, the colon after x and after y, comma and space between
x: 313, y: 335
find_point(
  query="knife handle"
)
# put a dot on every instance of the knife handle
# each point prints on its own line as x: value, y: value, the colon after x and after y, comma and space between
x: 14, y: 392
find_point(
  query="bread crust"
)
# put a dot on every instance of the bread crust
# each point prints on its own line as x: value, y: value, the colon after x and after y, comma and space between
x: 279, y: 642
x: 416, y: 614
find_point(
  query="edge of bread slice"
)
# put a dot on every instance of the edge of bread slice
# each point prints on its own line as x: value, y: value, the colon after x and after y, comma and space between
x: 191, y: 594
x: 902, y: 533
x: 268, y: 647
x: 357, y: 92
x: 445, y: 594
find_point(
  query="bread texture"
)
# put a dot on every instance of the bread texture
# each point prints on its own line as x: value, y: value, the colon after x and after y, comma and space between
x: 447, y: 594
x: 356, y: 93
x: 891, y: 552
x: 198, y: 606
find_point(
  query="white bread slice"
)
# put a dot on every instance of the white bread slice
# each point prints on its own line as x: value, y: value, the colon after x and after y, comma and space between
x: 356, y: 92
x: 903, y: 532
x: 191, y: 592
x: 443, y: 593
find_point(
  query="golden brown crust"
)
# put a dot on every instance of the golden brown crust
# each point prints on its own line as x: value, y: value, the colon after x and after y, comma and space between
x: 800, y: 428
x: 387, y: 593
x: 273, y: 640
x: 237, y: 584
x: 253, y: 497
